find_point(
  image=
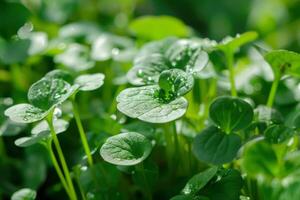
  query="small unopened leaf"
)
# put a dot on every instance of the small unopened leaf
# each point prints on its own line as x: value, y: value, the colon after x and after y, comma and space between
x: 232, y: 44
x: 89, y: 82
x: 24, y: 194
x: 215, y: 147
x: 230, y: 113
x: 126, y: 149
x: 198, y: 181
x: 25, y: 113
x: 142, y: 103
x: 176, y: 81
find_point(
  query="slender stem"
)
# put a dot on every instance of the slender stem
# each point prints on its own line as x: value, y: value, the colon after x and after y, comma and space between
x: 140, y: 167
x: 229, y: 58
x: 273, y: 90
x: 57, y: 168
x: 61, y: 156
x: 77, y: 175
x: 82, y: 133
x: 2, y: 148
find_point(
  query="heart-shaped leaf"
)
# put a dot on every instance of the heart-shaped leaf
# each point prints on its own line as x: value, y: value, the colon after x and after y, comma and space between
x: 75, y: 57
x: 215, y: 147
x: 232, y: 44
x: 126, y: 149
x: 24, y: 194
x: 278, y: 133
x: 231, y: 113
x: 198, y: 181
x: 284, y: 62
x: 88, y: 82
x: 170, y: 53
x: 25, y: 113
x: 143, y: 103
x: 161, y: 27
x: 49, y: 92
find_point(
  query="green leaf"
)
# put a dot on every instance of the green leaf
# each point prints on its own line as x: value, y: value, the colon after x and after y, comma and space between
x: 143, y: 103
x: 198, y: 181
x: 108, y: 46
x: 227, y: 186
x: 215, y: 147
x: 42, y: 131
x: 48, y: 92
x: 284, y: 62
x: 76, y: 57
x: 278, y: 133
x: 176, y: 81
x: 60, y: 74
x: 126, y: 149
x: 60, y: 126
x: 232, y: 44
x: 88, y: 82
x: 156, y: 57
x: 161, y: 27
x: 231, y: 113
x: 259, y: 159
x: 24, y: 194
x: 25, y: 113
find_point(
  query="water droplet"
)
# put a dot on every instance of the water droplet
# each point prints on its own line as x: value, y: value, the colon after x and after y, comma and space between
x: 115, y: 51
x: 140, y: 73
x: 57, y: 112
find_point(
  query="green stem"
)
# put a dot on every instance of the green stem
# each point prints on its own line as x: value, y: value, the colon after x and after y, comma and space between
x: 77, y: 175
x: 229, y: 58
x: 273, y: 90
x: 61, y: 156
x: 176, y: 143
x: 57, y: 168
x: 2, y: 149
x: 140, y: 167
x: 82, y: 134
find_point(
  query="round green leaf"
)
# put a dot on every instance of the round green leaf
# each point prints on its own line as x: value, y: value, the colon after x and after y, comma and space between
x: 88, y: 82
x: 198, y: 181
x: 284, y: 62
x: 24, y: 194
x: 25, y: 113
x: 231, y: 113
x: 215, y: 147
x: 278, y: 133
x: 49, y: 92
x: 126, y: 149
x: 176, y: 81
x: 161, y: 27
x: 142, y: 103
x: 259, y: 159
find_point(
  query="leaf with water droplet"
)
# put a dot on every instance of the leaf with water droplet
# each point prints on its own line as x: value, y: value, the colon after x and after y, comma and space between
x: 126, y: 149
x: 24, y: 194
x: 176, y: 81
x: 216, y: 147
x: 278, y: 133
x: 284, y: 62
x: 60, y: 74
x: 234, y: 43
x: 198, y: 181
x: 48, y: 92
x: 25, y: 113
x: 231, y: 113
x: 108, y: 46
x: 88, y: 82
x: 144, y: 104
